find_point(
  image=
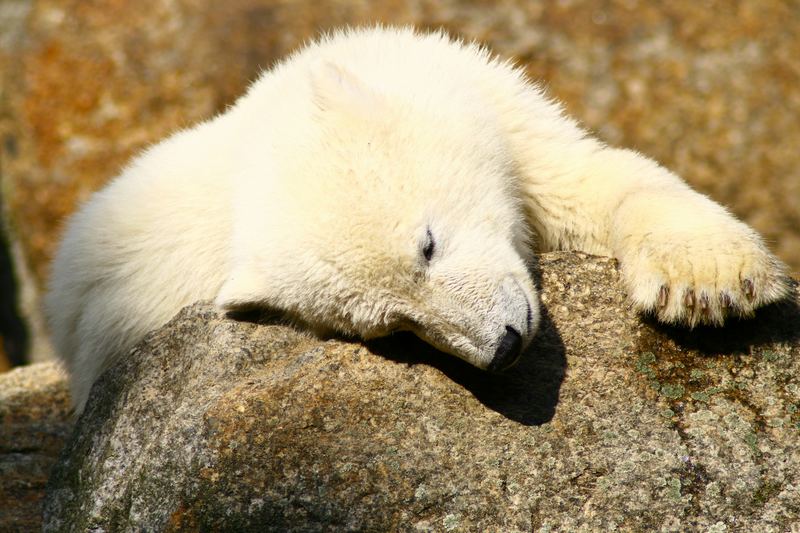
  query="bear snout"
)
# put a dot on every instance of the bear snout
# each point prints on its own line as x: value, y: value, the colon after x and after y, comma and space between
x: 508, y: 351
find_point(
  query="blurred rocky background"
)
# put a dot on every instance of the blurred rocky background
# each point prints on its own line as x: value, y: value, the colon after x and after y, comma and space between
x: 709, y: 88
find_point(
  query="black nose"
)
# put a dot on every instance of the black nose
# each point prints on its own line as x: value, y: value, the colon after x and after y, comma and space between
x: 507, y: 351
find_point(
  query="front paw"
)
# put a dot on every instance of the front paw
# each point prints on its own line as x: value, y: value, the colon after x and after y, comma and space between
x: 699, y: 268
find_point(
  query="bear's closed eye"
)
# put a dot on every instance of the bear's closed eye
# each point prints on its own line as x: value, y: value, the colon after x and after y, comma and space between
x: 428, y: 248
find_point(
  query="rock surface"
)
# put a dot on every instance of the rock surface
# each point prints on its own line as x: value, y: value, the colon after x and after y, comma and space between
x: 34, y: 423
x: 608, y: 422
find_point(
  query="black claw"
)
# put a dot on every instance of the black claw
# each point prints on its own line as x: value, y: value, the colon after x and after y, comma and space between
x: 704, y: 304
x: 688, y: 299
x: 725, y: 300
x: 748, y: 288
x: 663, y: 296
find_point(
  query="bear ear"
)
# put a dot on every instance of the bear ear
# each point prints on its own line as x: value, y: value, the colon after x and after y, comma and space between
x: 336, y: 88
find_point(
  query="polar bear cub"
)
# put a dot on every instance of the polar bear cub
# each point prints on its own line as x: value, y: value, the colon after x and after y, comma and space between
x: 380, y: 180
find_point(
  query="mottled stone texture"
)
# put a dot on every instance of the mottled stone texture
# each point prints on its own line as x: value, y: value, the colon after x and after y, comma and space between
x: 711, y: 88
x: 609, y: 421
x: 34, y: 423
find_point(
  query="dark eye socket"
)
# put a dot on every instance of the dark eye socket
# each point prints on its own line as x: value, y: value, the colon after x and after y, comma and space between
x: 429, y: 247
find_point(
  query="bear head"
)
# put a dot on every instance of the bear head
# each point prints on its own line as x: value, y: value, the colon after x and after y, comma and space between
x: 377, y: 212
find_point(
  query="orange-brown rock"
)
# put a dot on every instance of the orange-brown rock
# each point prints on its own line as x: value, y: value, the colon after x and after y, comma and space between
x: 710, y: 89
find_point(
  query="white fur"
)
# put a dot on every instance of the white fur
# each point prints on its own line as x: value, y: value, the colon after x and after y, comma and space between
x: 314, y: 195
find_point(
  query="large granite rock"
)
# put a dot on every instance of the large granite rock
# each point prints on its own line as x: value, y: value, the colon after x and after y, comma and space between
x: 608, y: 422
x: 34, y: 423
x: 711, y: 89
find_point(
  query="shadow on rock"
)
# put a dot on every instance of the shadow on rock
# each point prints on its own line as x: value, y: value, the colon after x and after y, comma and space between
x: 526, y: 393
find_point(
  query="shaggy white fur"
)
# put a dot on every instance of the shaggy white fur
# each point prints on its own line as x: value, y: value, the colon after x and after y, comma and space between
x: 381, y: 180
